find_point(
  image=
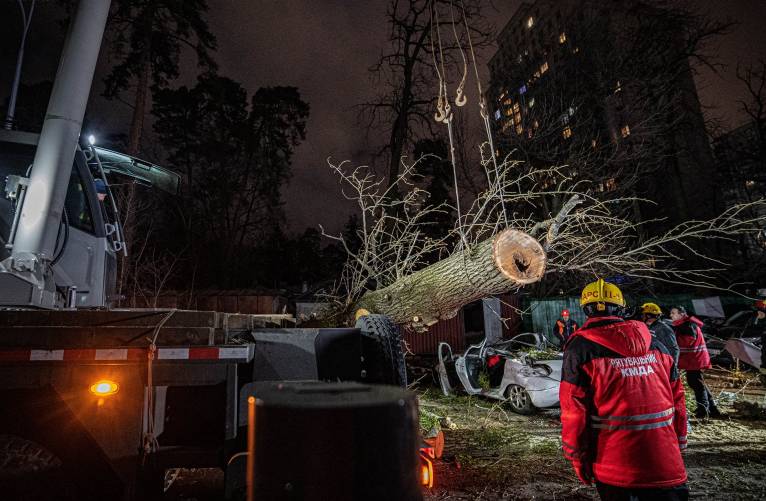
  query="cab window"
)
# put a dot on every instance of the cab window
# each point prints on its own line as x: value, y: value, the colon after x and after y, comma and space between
x: 77, y: 206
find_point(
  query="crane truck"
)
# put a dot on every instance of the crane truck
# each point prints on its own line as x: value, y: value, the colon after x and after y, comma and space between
x: 98, y: 402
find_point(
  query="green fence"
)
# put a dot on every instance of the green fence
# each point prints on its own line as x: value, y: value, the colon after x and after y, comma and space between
x: 540, y: 315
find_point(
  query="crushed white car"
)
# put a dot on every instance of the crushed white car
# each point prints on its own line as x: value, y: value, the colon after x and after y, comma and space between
x: 509, y: 371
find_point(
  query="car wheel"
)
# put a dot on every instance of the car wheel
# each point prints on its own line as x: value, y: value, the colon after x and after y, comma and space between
x: 519, y: 400
x: 382, y: 349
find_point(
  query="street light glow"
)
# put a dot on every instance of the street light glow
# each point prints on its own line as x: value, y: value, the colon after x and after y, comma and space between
x: 91, y: 139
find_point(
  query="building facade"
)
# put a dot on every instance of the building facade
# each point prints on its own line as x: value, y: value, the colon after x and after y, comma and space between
x: 741, y: 166
x: 604, y: 88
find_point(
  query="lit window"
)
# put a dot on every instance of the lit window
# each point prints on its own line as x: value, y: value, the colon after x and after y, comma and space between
x: 625, y: 131
x: 618, y: 87
x: 497, y: 115
x: 519, y: 129
x: 523, y: 89
x: 571, y: 111
x: 750, y: 183
x: 536, y: 74
x: 567, y: 132
x: 536, y: 124
x: 531, y: 102
x: 508, y: 112
x: 544, y: 67
x: 516, y: 108
x: 508, y: 102
x: 576, y: 50
x: 593, y: 143
x: 519, y: 59
x: 562, y: 37
x: 530, y: 21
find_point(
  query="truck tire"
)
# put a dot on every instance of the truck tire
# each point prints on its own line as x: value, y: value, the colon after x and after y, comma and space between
x: 19, y: 456
x: 30, y: 472
x: 382, y: 351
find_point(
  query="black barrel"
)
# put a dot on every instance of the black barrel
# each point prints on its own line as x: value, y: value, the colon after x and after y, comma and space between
x: 335, y: 441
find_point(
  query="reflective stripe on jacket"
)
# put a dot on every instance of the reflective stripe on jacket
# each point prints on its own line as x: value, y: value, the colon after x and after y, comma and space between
x: 691, y: 343
x: 622, y: 405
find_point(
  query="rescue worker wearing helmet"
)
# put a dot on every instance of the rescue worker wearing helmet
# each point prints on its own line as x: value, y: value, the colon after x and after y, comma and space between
x: 564, y: 327
x: 694, y: 358
x: 651, y: 314
x: 623, y: 414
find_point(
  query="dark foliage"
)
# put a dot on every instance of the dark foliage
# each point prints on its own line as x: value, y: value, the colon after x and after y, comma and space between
x: 235, y: 155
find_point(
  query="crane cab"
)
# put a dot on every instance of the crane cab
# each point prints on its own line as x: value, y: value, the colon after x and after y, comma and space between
x: 90, y: 236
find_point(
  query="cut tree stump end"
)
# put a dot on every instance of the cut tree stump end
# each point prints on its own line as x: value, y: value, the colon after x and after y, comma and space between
x: 519, y: 256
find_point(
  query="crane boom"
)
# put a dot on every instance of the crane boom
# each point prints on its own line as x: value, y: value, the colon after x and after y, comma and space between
x: 28, y: 266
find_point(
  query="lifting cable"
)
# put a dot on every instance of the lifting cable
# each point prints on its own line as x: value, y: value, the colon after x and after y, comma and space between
x: 444, y: 113
x: 483, y: 110
x: 460, y: 98
x: 149, y: 442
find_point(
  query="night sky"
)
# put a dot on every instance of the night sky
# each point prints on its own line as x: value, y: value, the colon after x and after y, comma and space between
x: 325, y: 48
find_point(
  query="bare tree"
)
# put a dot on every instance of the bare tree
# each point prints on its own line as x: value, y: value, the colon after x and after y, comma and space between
x: 496, y: 253
x: 405, y: 71
x: 753, y: 78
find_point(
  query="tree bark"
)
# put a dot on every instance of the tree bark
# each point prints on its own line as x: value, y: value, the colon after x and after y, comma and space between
x: 139, y: 109
x: 509, y: 259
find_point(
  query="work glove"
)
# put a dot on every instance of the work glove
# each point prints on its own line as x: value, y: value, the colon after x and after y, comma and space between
x: 584, y: 471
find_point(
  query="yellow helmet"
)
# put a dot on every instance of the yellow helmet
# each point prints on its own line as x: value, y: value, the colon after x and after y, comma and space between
x: 651, y: 308
x: 601, y: 292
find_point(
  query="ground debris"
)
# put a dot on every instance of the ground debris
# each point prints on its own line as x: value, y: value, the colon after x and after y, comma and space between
x: 749, y: 410
x: 493, y: 455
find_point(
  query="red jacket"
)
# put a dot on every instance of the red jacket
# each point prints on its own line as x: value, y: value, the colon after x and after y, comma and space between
x: 694, y: 355
x: 623, y: 414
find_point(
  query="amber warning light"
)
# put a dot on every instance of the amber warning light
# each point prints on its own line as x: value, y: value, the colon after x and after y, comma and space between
x: 426, y: 472
x: 104, y: 388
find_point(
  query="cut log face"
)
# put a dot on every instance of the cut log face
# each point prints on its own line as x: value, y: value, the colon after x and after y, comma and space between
x: 519, y: 257
x: 494, y: 266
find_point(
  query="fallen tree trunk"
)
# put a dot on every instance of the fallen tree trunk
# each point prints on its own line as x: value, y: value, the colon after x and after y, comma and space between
x: 510, y: 259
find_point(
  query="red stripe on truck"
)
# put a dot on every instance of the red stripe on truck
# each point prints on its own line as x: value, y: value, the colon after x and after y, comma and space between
x: 14, y: 356
x: 79, y: 355
x: 127, y: 354
x: 207, y: 353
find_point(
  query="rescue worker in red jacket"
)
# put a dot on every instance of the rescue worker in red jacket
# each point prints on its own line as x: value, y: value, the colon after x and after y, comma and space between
x: 564, y: 327
x: 694, y: 358
x: 623, y: 414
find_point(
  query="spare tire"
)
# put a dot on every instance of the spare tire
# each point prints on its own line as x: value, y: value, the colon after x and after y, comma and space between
x: 383, y: 359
